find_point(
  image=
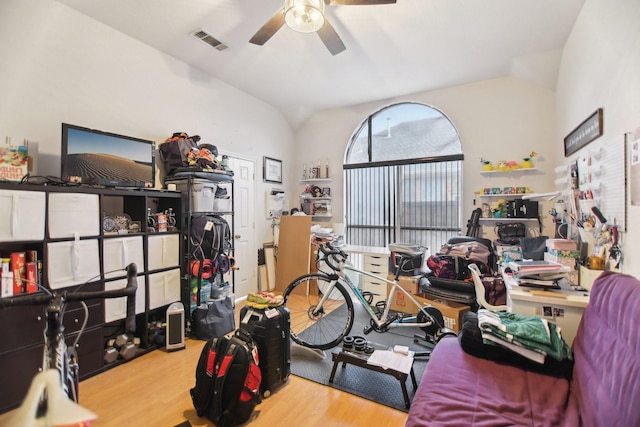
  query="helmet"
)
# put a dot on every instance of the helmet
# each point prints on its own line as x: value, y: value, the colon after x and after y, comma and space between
x: 212, y: 148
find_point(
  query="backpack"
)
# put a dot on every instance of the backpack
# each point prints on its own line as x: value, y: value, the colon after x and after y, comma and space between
x: 227, y: 380
x: 210, y: 237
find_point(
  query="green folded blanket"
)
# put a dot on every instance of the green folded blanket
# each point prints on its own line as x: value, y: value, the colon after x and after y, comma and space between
x: 517, y: 331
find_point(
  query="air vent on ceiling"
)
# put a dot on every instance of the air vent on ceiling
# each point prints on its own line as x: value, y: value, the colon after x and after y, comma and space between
x: 210, y: 40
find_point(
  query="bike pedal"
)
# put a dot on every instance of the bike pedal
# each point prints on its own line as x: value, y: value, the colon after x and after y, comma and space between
x: 367, y: 330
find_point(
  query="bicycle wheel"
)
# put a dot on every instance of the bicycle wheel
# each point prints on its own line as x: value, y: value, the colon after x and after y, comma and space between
x: 321, y: 328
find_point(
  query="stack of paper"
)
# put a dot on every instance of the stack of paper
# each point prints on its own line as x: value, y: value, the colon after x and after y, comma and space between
x: 388, y: 359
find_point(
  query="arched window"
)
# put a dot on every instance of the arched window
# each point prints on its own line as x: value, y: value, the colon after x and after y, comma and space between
x: 403, y: 178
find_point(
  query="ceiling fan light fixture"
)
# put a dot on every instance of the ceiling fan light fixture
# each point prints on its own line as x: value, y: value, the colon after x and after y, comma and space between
x: 304, y: 16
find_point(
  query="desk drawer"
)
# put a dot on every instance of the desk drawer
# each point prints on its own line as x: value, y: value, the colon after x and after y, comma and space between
x: 377, y: 264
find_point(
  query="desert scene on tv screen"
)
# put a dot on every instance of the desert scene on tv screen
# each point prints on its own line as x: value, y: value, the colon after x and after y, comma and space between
x: 97, y: 165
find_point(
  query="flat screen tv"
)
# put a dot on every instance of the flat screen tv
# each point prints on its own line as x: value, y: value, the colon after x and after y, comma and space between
x: 91, y: 156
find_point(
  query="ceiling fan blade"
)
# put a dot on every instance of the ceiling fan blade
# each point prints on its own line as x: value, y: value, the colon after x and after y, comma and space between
x: 330, y: 38
x: 269, y: 29
x: 357, y: 2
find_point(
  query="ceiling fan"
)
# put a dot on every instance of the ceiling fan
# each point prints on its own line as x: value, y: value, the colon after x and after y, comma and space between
x: 307, y: 16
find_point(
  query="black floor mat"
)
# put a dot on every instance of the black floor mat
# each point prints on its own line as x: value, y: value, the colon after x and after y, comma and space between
x: 371, y: 385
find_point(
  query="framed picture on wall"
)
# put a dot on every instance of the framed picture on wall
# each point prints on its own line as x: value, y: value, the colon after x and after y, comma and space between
x: 271, y: 170
x: 586, y: 132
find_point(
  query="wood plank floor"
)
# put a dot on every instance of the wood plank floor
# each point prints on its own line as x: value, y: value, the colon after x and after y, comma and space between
x: 153, y: 390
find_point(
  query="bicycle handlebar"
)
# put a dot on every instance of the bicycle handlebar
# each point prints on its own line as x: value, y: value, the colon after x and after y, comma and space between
x: 128, y: 291
x: 333, y: 255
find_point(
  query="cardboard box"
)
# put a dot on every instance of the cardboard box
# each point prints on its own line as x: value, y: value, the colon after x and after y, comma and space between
x: 13, y: 162
x: 451, y: 311
x: 562, y: 244
x: 410, y: 284
x: 564, y: 260
x: 574, y: 277
x: 19, y: 270
x: 564, y: 253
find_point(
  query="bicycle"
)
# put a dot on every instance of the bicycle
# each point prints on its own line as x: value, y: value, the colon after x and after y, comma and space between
x: 60, y: 367
x: 322, y: 311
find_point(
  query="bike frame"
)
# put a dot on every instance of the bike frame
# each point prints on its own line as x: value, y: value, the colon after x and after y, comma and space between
x: 340, y: 276
x: 57, y: 355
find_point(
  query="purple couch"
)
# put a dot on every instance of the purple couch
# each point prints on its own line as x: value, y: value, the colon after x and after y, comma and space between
x: 458, y: 389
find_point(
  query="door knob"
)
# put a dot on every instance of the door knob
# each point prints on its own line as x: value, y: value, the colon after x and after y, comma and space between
x: 236, y: 236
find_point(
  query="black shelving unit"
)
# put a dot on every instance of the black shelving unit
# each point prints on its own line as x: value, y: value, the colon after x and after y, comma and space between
x: 28, y: 208
x: 202, y: 206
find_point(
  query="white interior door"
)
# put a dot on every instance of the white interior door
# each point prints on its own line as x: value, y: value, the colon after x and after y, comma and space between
x: 244, y: 238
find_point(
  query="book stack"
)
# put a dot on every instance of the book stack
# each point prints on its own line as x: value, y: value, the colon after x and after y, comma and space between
x: 538, y: 274
x: 565, y: 252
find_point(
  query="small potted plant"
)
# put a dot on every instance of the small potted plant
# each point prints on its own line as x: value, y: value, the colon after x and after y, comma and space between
x: 487, y: 164
x: 527, y: 160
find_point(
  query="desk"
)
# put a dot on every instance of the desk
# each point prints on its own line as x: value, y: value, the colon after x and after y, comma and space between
x: 565, y: 312
x: 374, y: 260
x: 360, y: 359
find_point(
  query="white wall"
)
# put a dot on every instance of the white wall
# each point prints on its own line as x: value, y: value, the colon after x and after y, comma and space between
x: 601, y: 69
x: 502, y: 119
x: 60, y: 66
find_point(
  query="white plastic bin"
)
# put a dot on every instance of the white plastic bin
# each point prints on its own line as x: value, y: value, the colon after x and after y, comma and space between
x: 203, y: 193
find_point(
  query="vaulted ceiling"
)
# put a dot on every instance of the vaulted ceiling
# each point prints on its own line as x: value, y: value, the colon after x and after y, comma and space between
x: 391, y: 49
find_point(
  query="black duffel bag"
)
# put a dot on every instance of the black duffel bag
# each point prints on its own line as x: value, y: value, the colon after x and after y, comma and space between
x: 215, y: 318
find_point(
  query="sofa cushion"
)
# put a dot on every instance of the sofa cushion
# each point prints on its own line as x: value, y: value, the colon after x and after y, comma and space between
x: 471, y: 341
x: 606, y: 350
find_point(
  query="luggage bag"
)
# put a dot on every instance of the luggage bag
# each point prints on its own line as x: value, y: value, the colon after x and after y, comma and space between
x: 270, y: 329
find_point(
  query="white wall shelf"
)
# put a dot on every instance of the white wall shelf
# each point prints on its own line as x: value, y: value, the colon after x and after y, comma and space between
x: 504, y: 195
x: 316, y: 180
x: 314, y: 198
x: 507, y: 172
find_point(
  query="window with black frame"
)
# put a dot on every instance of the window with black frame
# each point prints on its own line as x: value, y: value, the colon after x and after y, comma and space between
x: 403, y: 178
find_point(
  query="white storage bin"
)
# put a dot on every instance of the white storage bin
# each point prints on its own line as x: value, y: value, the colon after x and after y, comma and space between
x: 73, y: 213
x: 163, y: 251
x: 222, y: 205
x: 119, y: 252
x: 72, y: 262
x: 116, y: 308
x: 203, y: 193
x: 164, y: 288
x: 21, y: 215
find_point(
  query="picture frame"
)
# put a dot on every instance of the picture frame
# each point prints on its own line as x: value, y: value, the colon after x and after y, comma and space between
x: 271, y: 170
x: 582, y: 135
